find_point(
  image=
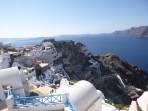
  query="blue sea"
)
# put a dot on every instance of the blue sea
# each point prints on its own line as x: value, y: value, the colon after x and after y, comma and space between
x: 131, y: 49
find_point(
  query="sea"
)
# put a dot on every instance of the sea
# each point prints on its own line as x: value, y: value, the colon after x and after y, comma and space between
x: 132, y: 49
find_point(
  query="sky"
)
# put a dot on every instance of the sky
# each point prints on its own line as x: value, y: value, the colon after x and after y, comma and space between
x: 45, y: 18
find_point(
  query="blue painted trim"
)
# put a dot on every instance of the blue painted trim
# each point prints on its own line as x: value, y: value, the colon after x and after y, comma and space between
x: 9, y: 92
x: 70, y: 105
x: 37, y: 100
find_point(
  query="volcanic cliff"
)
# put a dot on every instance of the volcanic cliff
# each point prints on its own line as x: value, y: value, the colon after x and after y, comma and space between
x: 120, y: 81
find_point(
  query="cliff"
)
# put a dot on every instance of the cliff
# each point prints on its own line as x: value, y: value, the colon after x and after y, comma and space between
x: 120, y: 81
x: 141, y: 31
x: 75, y: 62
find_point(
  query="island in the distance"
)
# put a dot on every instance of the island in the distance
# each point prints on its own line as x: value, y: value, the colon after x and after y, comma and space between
x: 141, y: 31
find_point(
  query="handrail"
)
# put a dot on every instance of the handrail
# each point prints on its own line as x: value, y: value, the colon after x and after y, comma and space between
x: 37, y: 100
x: 70, y: 105
x: 9, y: 92
x: 40, y: 100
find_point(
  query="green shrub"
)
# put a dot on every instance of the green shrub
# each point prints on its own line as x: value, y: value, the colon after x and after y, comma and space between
x: 121, y: 107
x: 118, y: 106
x: 74, y: 81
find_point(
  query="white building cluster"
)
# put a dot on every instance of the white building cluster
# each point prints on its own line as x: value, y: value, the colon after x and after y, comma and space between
x: 7, y: 45
x: 86, y: 99
x: 4, y: 60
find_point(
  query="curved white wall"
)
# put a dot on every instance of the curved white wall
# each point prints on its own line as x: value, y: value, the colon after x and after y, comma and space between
x: 11, y: 76
x: 143, y: 101
x: 83, y: 95
x: 101, y: 95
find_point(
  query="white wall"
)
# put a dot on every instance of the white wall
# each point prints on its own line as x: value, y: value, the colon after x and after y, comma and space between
x: 24, y: 82
x: 84, y: 96
x: 37, y: 53
x: 97, y: 106
x: 11, y: 76
x: 4, y: 63
x: 15, y: 64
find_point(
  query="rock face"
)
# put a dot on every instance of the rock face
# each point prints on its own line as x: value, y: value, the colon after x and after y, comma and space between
x: 130, y: 74
x: 71, y: 53
x: 141, y: 31
x: 121, y: 81
x: 75, y: 62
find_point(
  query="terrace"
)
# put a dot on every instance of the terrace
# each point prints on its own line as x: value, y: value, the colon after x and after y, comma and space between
x: 50, y: 102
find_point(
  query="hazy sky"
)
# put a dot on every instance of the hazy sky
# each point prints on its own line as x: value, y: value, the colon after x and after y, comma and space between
x: 37, y: 18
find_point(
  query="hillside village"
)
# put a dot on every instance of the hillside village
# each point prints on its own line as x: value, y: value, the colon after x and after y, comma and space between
x: 50, y: 77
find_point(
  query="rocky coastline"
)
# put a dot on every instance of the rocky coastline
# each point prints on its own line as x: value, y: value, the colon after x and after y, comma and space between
x: 141, y: 31
x: 119, y: 81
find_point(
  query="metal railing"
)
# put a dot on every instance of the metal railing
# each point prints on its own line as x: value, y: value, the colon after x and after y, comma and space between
x: 9, y: 92
x: 70, y: 105
x: 37, y: 100
x: 40, y: 100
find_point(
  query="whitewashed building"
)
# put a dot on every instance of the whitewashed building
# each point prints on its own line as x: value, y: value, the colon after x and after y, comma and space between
x: 37, y: 53
x: 82, y: 96
x: 85, y: 97
x: 47, y: 44
x: 15, y: 64
x: 8, y: 45
x: 29, y: 46
x: 4, y: 60
x: 14, y: 78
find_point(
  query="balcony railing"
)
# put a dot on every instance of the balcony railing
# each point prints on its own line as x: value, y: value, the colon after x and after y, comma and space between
x: 40, y: 100
x: 70, y: 105
x: 37, y: 100
x: 9, y: 92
